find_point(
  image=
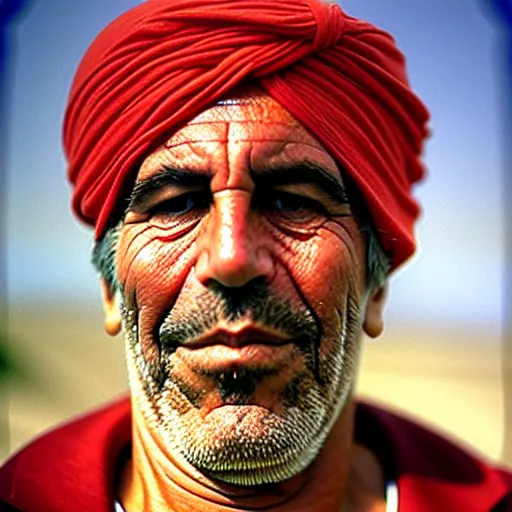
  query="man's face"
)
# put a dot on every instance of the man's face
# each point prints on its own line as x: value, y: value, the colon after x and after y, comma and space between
x: 242, y: 275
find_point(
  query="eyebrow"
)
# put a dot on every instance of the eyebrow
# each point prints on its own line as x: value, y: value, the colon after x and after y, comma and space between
x: 168, y: 175
x: 302, y: 172
x: 283, y: 174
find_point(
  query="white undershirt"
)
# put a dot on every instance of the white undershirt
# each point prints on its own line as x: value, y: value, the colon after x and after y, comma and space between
x: 391, y: 499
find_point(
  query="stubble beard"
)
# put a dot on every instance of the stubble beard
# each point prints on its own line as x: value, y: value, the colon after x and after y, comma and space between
x: 247, y: 445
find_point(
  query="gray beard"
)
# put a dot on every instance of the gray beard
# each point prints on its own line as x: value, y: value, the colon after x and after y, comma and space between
x: 249, y: 445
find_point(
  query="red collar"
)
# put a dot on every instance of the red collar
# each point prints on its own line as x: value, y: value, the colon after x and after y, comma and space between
x: 72, y: 468
x: 432, y: 473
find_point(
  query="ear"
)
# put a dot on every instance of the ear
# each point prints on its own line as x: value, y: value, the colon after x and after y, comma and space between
x: 111, y: 309
x: 373, y: 324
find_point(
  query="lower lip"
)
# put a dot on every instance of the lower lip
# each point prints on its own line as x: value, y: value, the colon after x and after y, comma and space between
x: 220, y: 357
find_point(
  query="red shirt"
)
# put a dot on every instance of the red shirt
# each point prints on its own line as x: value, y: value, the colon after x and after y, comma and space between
x: 73, y: 468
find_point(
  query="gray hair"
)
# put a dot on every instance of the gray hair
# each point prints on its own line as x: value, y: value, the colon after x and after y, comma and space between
x: 104, y: 256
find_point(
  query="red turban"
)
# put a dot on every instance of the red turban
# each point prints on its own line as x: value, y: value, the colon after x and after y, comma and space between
x: 163, y: 62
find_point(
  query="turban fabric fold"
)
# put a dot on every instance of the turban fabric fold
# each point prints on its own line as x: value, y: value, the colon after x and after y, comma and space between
x: 163, y: 62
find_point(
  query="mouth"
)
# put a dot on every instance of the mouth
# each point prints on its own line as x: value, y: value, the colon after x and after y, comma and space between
x: 239, y: 337
x: 221, y: 358
x: 239, y: 349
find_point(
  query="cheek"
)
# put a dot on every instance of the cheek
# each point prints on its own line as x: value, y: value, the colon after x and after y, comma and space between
x: 329, y: 271
x: 151, y: 271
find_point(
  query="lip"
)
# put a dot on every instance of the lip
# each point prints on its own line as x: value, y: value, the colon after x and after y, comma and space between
x: 219, y: 357
x: 239, y: 337
x: 240, y: 347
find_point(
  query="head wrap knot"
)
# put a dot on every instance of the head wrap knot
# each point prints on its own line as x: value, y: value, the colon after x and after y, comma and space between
x: 329, y: 24
x: 163, y: 62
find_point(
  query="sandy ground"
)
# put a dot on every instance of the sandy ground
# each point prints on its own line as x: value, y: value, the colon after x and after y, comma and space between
x: 65, y: 364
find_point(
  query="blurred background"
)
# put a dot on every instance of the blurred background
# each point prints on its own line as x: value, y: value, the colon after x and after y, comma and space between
x: 440, y: 357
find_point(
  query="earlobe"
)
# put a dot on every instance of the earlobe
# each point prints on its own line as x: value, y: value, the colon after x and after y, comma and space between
x: 373, y: 324
x: 111, y: 309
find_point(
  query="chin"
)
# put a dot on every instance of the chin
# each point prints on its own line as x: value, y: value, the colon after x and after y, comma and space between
x: 247, y: 445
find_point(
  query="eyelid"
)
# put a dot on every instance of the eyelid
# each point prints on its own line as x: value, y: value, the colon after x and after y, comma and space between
x: 199, y: 196
x: 311, y: 192
x: 166, y: 194
x: 306, y: 199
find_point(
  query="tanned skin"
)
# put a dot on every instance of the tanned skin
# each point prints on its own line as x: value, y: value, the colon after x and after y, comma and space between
x: 229, y: 226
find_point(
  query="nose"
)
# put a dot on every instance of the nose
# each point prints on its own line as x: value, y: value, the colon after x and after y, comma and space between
x: 232, y: 251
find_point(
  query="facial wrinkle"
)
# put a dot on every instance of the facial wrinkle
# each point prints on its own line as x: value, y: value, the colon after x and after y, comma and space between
x: 159, y: 248
x: 342, y: 230
x: 319, y: 331
x: 351, y: 331
x: 127, y: 248
x: 147, y: 363
x: 211, y: 131
x: 150, y: 349
x: 129, y: 282
x: 196, y: 141
x: 148, y: 357
x: 252, y: 301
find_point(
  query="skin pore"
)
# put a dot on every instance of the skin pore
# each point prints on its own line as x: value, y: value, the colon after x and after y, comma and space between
x: 243, y: 299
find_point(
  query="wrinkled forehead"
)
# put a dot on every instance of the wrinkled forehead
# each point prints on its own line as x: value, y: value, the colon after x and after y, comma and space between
x: 247, y: 116
x: 258, y: 117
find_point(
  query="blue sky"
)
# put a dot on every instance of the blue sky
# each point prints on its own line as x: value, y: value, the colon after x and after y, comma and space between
x: 454, y: 65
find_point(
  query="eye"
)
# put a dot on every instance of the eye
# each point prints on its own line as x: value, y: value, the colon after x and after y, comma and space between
x: 182, y: 204
x: 291, y: 212
x: 181, y: 213
x: 285, y: 202
x: 289, y: 202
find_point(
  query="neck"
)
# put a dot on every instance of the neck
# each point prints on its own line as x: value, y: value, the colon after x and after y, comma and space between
x: 155, y: 480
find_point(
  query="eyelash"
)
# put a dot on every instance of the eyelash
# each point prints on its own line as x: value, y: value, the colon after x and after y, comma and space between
x: 170, y: 206
x: 267, y: 202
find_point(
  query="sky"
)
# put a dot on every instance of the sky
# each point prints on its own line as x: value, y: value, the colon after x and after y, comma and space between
x: 454, y: 64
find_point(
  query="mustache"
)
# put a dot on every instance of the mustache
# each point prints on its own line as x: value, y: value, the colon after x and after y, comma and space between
x: 254, y: 301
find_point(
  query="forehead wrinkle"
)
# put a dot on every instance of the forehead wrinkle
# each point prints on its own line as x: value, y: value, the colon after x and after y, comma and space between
x: 234, y: 131
x: 209, y: 131
x: 267, y: 143
x: 261, y: 131
x: 296, y: 134
x: 192, y: 155
x: 192, y: 141
x: 257, y: 108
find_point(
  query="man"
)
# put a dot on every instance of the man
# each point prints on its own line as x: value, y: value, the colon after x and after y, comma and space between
x: 248, y: 167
